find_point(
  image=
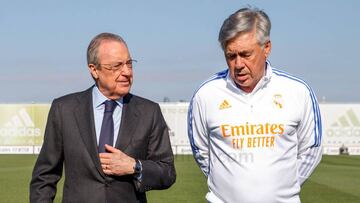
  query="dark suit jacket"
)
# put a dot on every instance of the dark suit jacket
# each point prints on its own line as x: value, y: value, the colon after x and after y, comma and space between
x: 70, y: 141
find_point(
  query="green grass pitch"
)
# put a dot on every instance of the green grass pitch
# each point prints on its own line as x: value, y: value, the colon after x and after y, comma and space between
x: 337, y: 179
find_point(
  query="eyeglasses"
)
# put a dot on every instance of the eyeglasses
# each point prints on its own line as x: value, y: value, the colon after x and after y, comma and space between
x: 119, y: 65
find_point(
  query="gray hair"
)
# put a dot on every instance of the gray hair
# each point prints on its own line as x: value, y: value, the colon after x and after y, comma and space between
x: 92, y: 51
x: 245, y: 20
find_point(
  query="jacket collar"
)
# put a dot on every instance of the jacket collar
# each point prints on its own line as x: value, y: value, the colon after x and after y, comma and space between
x: 84, y: 116
x: 129, y: 122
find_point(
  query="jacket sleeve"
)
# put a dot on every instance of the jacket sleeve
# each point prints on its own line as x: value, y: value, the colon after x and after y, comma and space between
x: 158, y: 170
x: 309, y: 138
x: 49, y: 165
x: 198, y: 134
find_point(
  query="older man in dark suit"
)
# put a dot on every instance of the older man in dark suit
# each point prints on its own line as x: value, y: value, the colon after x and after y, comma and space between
x: 114, y: 145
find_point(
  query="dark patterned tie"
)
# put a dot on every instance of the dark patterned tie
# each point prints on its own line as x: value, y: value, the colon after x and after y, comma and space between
x: 107, y: 127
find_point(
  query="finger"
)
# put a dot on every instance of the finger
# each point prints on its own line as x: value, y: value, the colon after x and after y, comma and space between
x: 104, y: 167
x: 107, y: 172
x: 111, y: 149
x: 105, y: 161
x: 105, y: 155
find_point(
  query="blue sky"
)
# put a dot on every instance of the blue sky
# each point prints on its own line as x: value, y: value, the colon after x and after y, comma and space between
x: 43, y: 45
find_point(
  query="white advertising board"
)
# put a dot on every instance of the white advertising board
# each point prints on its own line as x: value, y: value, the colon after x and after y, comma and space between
x: 175, y: 115
x: 22, y: 127
x: 341, y: 127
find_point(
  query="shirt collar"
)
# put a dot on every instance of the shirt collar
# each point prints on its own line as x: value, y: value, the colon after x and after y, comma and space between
x: 99, y: 98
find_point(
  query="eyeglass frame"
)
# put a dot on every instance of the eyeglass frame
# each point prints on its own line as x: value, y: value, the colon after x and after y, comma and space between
x: 120, y: 64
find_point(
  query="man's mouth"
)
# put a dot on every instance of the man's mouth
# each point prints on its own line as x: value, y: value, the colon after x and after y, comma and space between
x: 125, y: 82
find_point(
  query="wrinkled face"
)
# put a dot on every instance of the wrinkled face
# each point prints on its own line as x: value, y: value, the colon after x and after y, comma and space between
x: 246, y: 60
x: 112, y: 83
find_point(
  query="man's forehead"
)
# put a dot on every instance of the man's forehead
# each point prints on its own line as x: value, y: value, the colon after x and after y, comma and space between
x: 112, y: 46
x: 108, y: 43
x: 242, y: 43
x: 239, y: 49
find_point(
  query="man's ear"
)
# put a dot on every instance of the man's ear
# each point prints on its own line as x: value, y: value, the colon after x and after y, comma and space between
x: 267, y: 48
x: 93, y: 71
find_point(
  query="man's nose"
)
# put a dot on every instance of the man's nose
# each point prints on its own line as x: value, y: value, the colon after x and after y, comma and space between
x: 239, y: 61
x: 126, y: 71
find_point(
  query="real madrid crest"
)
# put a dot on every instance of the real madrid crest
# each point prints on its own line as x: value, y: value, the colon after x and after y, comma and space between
x: 278, y: 101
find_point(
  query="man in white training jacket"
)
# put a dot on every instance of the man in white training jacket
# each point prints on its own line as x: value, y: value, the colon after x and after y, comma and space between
x: 255, y: 131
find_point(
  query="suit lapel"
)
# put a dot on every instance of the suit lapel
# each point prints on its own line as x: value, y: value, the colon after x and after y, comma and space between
x: 85, y: 120
x: 129, y: 122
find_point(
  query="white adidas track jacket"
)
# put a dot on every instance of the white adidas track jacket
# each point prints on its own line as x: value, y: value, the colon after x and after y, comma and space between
x: 259, y: 146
